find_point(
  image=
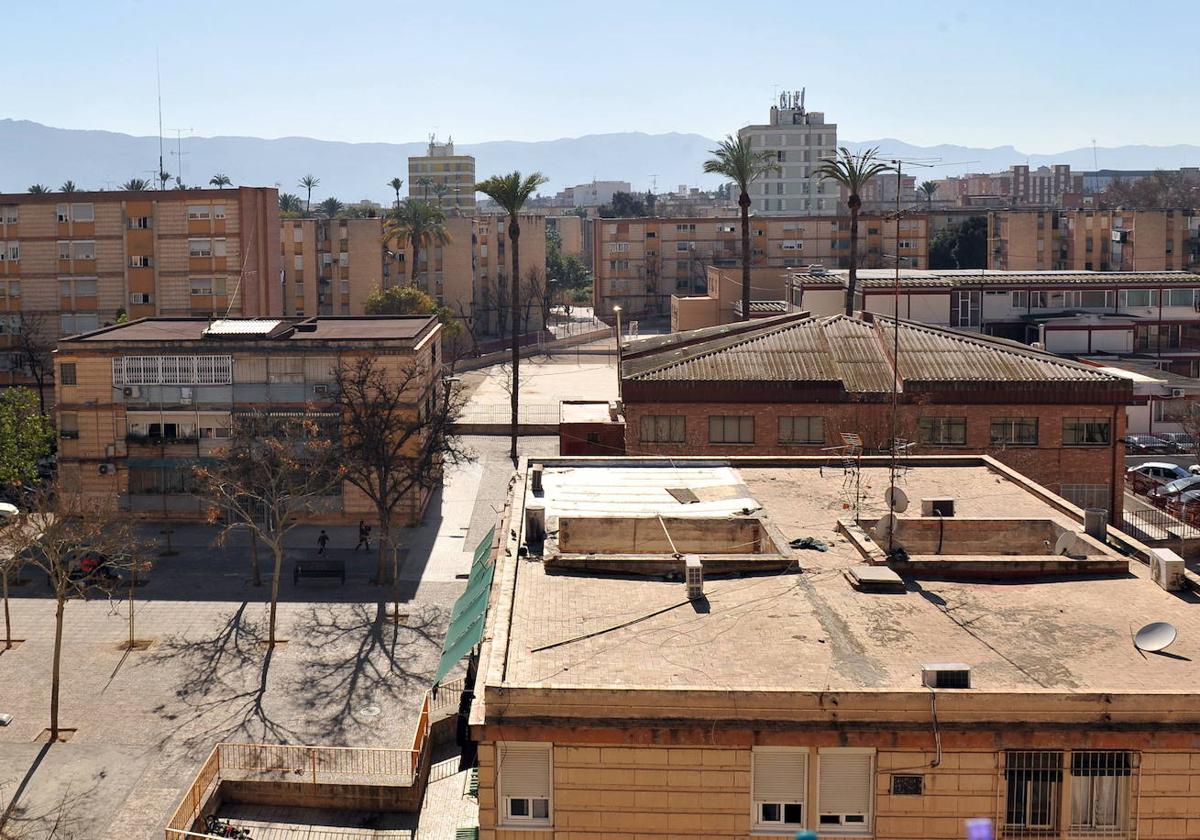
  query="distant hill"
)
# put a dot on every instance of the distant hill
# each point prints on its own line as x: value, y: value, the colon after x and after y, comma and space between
x: 33, y: 153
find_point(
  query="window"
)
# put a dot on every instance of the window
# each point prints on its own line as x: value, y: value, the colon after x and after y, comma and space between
x: 298, y: 262
x: 1032, y: 780
x: 1178, y: 297
x: 140, y: 261
x: 141, y: 297
x: 202, y: 286
x: 198, y: 211
x: 724, y: 228
x: 792, y: 245
x: 83, y: 250
x: 66, y: 373
x: 683, y: 246
x: 173, y: 370
x: 779, y: 787
x: 344, y: 259
x: 83, y: 212
x: 64, y: 250
x: 68, y: 424
x: 801, y: 429
x: 200, y: 248
x: 1132, y: 298
x: 297, y: 233
x: 139, y: 222
x: 1085, y: 431
x: 1020, y: 299
x: 525, y: 775
x: 285, y: 369
x: 64, y: 213
x: 78, y: 322
x: 1014, y: 431
x: 730, y: 428
x: 846, y: 789
x: 218, y: 247
x: 1100, y: 792
x: 662, y: 428
x: 218, y: 211
x: 942, y: 431
x: 9, y: 214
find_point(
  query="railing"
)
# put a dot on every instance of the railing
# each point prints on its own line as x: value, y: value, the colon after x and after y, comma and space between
x: 446, y: 695
x: 197, y: 795
x: 1180, y: 521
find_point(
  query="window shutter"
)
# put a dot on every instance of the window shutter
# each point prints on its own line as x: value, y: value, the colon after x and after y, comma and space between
x: 846, y: 783
x: 780, y: 775
x: 525, y: 771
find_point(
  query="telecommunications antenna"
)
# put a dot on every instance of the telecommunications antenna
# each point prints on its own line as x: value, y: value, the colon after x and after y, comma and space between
x: 896, y: 498
x: 1064, y: 543
x: 886, y: 526
x: 1155, y: 636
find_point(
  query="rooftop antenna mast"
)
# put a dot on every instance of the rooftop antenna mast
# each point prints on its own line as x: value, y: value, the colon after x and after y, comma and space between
x: 1095, y: 158
x: 654, y: 183
x: 179, y: 152
x: 158, y: 79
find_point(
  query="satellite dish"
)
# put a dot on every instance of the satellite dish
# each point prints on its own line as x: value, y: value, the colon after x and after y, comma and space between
x: 1064, y: 543
x: 1155, y: 636
x: 896, y: 498
x: 885, y: 526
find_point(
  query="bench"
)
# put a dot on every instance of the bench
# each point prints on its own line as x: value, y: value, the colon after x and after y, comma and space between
x: 319, y: 569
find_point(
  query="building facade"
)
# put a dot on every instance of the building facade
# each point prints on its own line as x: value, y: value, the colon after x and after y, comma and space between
x: 441, y: 177
x: 72, y: 262
x: 798, y: 383
x: 1093, y: 240
x: 797, y: 140
x: 139, y: 404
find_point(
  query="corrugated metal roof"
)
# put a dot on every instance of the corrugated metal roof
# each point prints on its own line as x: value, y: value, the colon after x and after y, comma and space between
x: 872, y: 278
x: 242, y: 326
x: 855, y: 353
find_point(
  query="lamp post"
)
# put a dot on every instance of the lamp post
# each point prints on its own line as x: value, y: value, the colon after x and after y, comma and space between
x: 617, y: 312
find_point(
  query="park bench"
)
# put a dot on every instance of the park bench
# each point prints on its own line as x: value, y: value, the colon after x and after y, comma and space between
x: 319, y: 569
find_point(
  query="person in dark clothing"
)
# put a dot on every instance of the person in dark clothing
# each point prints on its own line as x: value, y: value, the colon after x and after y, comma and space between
x: 364, y: 536
x: 322, y: 540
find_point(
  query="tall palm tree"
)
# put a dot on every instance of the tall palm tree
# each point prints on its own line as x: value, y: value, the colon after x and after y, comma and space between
x: 68, y: 187
x: 426, y: 182
x: 330, y: 207
x: 927, y: 189
x: 735, y: 160
x: 220, y: 181
x: 418, y: 223
x: 136, y: 185
x: 396, y: 184
x: 852, y: 172
x: 289, y: 203
x: 511, y: 191
x: 309, y: 182
x: 38, y: 189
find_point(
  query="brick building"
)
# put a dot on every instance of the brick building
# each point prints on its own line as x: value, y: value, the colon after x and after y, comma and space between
x: 794, y: 384
x: 140, y: 403
x: 780, y: 690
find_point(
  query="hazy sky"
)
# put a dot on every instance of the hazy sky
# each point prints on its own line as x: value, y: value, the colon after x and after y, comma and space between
x: 1030, y: 74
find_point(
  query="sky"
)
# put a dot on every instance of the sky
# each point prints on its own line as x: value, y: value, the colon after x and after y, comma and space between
x: 1028, y: 74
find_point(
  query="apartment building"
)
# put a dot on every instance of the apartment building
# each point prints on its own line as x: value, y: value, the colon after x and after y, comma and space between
x: 574, y: 235
x: 641, y: 263
x: 72, y: 262
x: 795, y: 384
x: 798, y: 140
x: 594, y: 194
x: 1100, y: 240
x: 656, y: 660
x: 140, y: 403
x: 442, y: 177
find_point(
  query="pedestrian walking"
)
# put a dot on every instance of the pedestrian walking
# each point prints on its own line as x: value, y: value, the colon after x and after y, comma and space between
x: 364, y: 536
x: 322, y: 541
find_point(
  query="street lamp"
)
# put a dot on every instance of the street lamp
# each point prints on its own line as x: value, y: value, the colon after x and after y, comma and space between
x: 617, y: 312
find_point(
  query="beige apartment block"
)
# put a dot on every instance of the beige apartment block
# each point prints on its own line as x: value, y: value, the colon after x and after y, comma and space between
x: 641, y: 263
x: 139, y: 404
x: 442, y: 177
x: 797, y: 140
x: 980, y: 676
x: 71, y: 262
x: 1099, y: 240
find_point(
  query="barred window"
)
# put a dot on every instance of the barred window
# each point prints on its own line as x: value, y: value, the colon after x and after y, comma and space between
x: 1100, y: 792
x: 730, y: 428
x: 1014, y: 431
x: 1086, y: 431
x: 942, y: 431
x: 173, y: 370
x: 662, y: 428
x: 1033, y: 780
x: 801, y: 429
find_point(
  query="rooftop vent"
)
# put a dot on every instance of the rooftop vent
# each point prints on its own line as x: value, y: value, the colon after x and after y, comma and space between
x: 937, y: 507
x: 816, y: 268
x: 946, y: 675
x: 694, y: 577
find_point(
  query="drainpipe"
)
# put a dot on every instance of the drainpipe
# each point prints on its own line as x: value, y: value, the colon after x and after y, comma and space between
x: 1118, y: 477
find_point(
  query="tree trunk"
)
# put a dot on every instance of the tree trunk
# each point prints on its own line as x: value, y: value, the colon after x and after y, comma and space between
x: 277, y: 550
x: 395, y: 586
x: 56, y: 668
x: 416, y: 249
x: 744, y: 203
x: 853, y: 282
x: 514, y: 234
x: 385, y: 539
x: 7, y: 617
x: 257, y: 574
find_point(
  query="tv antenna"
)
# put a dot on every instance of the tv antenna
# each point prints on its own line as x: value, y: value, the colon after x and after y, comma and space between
x: 654, y: 183
x: 179, y: 152
x: 1095, y: 158
x: 161, y: 177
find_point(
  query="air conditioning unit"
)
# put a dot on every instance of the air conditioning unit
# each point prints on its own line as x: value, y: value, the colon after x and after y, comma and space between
x: 946, y: 675
x: 185, y: 396
x: 1178, y: 392
x: 133, y: 392
x: 320, y: 389
x: 694, y: 577
x: 107, y: 469
x: 1166, y: 569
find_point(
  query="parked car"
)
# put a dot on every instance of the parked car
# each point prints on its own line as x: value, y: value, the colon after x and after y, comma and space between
x: 1174, y: 488
x: 8, y: 511
x: 1155, y: 473
x: 1178, y: 441
x: 1144, y: 445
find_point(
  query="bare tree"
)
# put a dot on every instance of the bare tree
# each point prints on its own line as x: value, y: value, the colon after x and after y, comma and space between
x: 31, y: 352
x: 503, y: 305
x: 81, y: 547
x: 396, y: 433
x: 473, y: 327
x: 539, y: 296
x: 274, y: 471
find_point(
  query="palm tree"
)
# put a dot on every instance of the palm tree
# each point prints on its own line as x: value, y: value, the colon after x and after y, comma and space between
x: 289, y: 203
x: 68, y: 187
x: 136, y: 185
x: 308, y: 182
x: 426, y: 182
x: 420, y: 224
x: 396, y: 184
x: 220, y: 181
x: 927, y: 189
x: 330, y: 207
x: 163, y: 177
x: 852, y: 172
x: 38, y: 189
x: 739, y: 163
x: 511, y: 191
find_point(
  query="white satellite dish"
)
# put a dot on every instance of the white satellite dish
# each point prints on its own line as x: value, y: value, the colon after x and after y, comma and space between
x: 896, y: 498
x: 886, y: 526
x: 1155, y: 636
x: 1064, y: 543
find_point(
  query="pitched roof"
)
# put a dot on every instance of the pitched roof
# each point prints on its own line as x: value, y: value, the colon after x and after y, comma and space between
x: 910, y: 278
x: 855, y: 352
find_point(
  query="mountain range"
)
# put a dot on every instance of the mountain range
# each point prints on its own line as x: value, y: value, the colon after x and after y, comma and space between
x: 34, y: 153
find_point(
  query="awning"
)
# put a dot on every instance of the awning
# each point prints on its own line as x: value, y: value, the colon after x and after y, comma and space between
x: 470, y: 610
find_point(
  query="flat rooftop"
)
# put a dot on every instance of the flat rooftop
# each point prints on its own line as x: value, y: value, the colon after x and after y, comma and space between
x: 215, y: 332
x: 806, y: 629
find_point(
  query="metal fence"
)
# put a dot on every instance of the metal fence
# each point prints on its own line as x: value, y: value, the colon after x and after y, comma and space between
x: 540, y: 414
x: 1166, y: 522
